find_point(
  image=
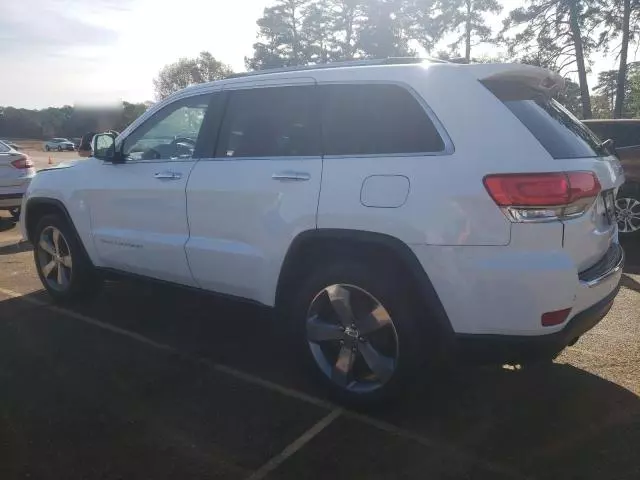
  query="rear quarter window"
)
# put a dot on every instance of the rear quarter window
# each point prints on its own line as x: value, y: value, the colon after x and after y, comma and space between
x: 558, y: 131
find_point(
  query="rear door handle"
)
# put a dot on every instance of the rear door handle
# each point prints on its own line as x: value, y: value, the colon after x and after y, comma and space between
x: 291, y: 176
x: 168, y: 175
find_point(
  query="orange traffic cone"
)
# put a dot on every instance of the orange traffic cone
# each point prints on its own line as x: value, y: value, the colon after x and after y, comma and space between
x: 50, y: 160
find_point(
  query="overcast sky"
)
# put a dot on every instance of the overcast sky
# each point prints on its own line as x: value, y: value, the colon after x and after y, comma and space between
x: 56, y: 52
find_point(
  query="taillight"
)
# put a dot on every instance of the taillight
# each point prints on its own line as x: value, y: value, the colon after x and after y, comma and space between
x: 22, y: 163
x: 535, y: 197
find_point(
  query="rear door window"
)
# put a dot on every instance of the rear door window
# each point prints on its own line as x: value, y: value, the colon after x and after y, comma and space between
x: 271, y: 122
x: 375, y: 119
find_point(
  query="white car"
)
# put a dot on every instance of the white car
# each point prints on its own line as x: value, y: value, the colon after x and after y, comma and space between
x: 393, y: 211
x: 59, y: 144
x: 16, y: 171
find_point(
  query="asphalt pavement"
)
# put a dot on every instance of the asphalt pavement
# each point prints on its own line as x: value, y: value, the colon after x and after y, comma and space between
x: 151, y: 382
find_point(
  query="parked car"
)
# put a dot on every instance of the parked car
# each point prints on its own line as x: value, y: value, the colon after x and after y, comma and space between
x: 365, y: 202
x: 626, y: 140
x: 16, y: 171
x: 13, y: 145
x: 59, y: 144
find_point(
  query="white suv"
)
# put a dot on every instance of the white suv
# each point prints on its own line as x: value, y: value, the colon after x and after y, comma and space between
x: 391, y: 210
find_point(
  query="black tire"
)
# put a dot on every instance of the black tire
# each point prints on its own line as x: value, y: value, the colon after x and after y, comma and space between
x: 59, y: 148
x: 629, y: 196
x: 15, y: 214
x: 46, y: 148
x: 389, y: 288
x: 82, y: 280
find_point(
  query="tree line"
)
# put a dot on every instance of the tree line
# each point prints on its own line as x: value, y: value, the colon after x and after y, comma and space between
x: 562, y: 35
x: 64, y: 121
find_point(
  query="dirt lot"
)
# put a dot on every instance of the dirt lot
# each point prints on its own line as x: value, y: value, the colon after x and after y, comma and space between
x: 148, y: 382
x: 35, y: 150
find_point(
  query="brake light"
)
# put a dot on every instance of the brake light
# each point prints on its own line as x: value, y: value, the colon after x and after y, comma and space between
x: 531, y: 197
x: 22, y: 163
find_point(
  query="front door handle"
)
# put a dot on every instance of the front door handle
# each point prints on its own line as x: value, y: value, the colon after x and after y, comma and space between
x: 168, y: 175
x: 291, y: 176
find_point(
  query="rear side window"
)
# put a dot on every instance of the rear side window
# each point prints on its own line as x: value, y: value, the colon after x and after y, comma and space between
x: 4, y: 148
x: 374, y: 119
x: 271, y: 122
x: 557, y: 130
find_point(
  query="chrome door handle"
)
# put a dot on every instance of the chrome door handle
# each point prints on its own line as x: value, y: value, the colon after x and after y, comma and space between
x: 168, y: 175
x: 291, y: 176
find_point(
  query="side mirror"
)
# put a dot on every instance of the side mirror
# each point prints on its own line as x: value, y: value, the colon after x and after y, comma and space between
x: 104, y: 148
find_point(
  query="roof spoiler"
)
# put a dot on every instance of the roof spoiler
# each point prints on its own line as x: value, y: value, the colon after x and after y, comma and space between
x: 535, y: 79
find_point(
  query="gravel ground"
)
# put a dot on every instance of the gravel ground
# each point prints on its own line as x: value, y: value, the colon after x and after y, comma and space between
x: 151, y: 382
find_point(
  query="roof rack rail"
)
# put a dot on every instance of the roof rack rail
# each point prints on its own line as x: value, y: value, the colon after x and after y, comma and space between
x: 348, y: 63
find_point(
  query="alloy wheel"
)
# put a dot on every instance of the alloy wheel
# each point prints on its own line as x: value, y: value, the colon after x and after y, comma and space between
x: 352, y: 338
x: 54, y: 258
x: 628, y: 214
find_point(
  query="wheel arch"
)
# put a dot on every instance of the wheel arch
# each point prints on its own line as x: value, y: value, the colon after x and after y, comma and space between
x: 37, y: 207
x: 316, y: 245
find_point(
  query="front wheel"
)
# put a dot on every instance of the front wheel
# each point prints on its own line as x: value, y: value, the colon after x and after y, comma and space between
x: 63, y: 267
x: 59, y: 148
x: 356, y: 326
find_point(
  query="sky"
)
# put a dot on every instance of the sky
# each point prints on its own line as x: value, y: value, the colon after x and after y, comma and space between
x: 57, y: 52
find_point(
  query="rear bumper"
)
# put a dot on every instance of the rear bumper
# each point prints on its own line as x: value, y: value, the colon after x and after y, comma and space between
x: 10, y: 200
x: 515, y: 349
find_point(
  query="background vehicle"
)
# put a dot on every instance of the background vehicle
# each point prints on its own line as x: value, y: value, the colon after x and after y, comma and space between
x: 13, y: 145
x: 626, y: 137
x: 383, y: 224
x: 16, y: 171
x: 59, y: 144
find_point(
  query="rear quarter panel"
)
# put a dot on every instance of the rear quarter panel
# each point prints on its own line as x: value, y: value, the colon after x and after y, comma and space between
x: 447, y: 202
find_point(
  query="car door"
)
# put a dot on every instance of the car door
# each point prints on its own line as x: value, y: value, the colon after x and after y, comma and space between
x: 249, y: 201
x: 138, y: 207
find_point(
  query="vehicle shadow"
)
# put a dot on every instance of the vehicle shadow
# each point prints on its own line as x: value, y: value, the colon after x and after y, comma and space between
x: 632, y: 256
x: 6, y: 224
x: 555, y: 422
x: 18, y: 247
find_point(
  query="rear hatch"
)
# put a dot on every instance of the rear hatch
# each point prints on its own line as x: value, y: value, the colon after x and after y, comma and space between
x: 589, y: 226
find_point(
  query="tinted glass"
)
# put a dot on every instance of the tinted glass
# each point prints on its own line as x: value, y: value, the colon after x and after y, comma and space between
x: 270, y: 122
x: 559, y: 132
x: 4, y: 148
x: 623, y: 134
x: 171, y: 133
x: 374, y: 119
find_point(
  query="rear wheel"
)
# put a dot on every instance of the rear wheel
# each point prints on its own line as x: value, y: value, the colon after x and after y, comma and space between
x: 357, y: 329
x: 63, y: 267
x: 46, y: 148
x: 628, y: 211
